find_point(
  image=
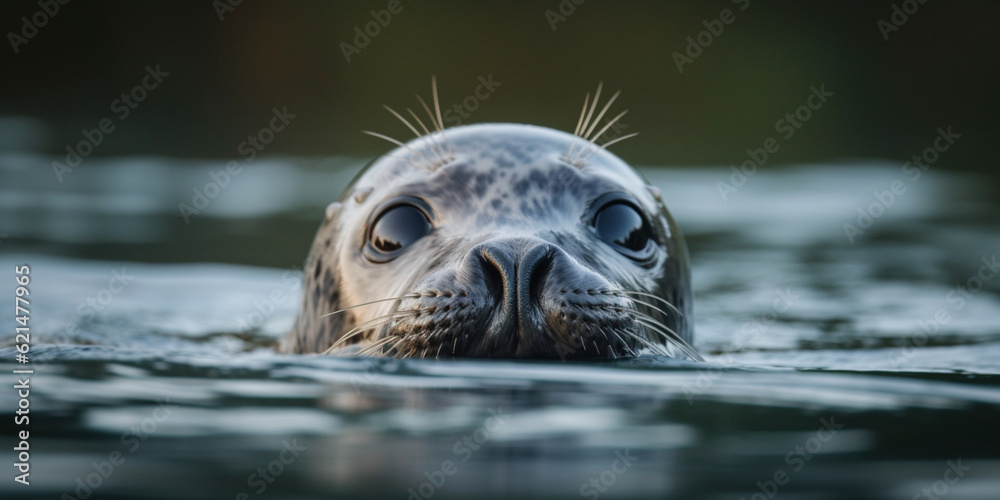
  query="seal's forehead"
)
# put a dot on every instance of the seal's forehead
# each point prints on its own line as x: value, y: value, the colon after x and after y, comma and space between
x: 519, y: 160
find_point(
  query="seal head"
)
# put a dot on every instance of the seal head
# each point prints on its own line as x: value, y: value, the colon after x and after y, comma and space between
x: 497, y: 241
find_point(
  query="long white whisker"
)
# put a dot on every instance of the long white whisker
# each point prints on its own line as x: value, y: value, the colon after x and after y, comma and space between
x: 647, y: 304
x: 673, y: 339
x: 606, y: 144
x: 434, y: 143
x: 593, y: 105
x: 644, y: 294
x: 437, y: 105
x: 586, y: 121
x: 408, y: 296
x: 599, y: 116
x: 374, y: 323
x: 396, y: 142
x: 624, y: 344
x: 404, y: 120
x: 579, y: 121
x: 592, y: 146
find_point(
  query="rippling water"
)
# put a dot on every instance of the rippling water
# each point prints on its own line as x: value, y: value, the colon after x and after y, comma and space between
x: 821, y: 382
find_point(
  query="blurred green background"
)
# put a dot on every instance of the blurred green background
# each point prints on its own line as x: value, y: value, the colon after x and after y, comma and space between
x: 939, y: 68
x: 229, y: 66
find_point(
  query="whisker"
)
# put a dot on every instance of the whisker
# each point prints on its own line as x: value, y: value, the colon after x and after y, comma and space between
x: 375, y: 346
x: 407, y: 296
x: 367, y: 325
x: 647, y: 304
x: 404, y: 120
x: 590, y: 149
x: 606, y: 144
x: 672, y: 337
x: 624, y: 344
x: 608, y: 125
x: 644, y: 294
x: 431, y: 115
x: 363, y: 327
x: 579, y: 121
x: 434, y: 143
x: 586, y: 121
x: 396, y: 142
x: 593, y: 105
x: 413, y: 129
x: 644, y: 341
x: 437, y: 104
x: 599, y: 116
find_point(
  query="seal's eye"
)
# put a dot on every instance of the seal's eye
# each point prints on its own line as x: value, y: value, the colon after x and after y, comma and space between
x: 398, y: 227
x: 620, y: 225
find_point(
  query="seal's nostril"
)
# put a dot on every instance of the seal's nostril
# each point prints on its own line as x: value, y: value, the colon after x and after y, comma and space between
x: 499, y: 272
x: 532, y: 270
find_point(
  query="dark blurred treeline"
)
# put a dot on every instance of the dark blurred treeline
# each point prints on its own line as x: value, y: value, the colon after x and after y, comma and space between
x: 937, y: 68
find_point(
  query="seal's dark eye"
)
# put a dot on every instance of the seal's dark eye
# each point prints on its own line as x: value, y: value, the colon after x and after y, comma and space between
x: 397, y: 228
x: 623, y: 227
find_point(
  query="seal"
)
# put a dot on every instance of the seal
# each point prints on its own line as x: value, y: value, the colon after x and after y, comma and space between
x: 497, y: 241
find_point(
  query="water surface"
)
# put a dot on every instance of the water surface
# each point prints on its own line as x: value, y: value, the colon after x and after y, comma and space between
x: 820, y: 383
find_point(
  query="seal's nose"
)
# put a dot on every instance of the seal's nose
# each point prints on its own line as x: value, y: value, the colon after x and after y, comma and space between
x: 514, y: 271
